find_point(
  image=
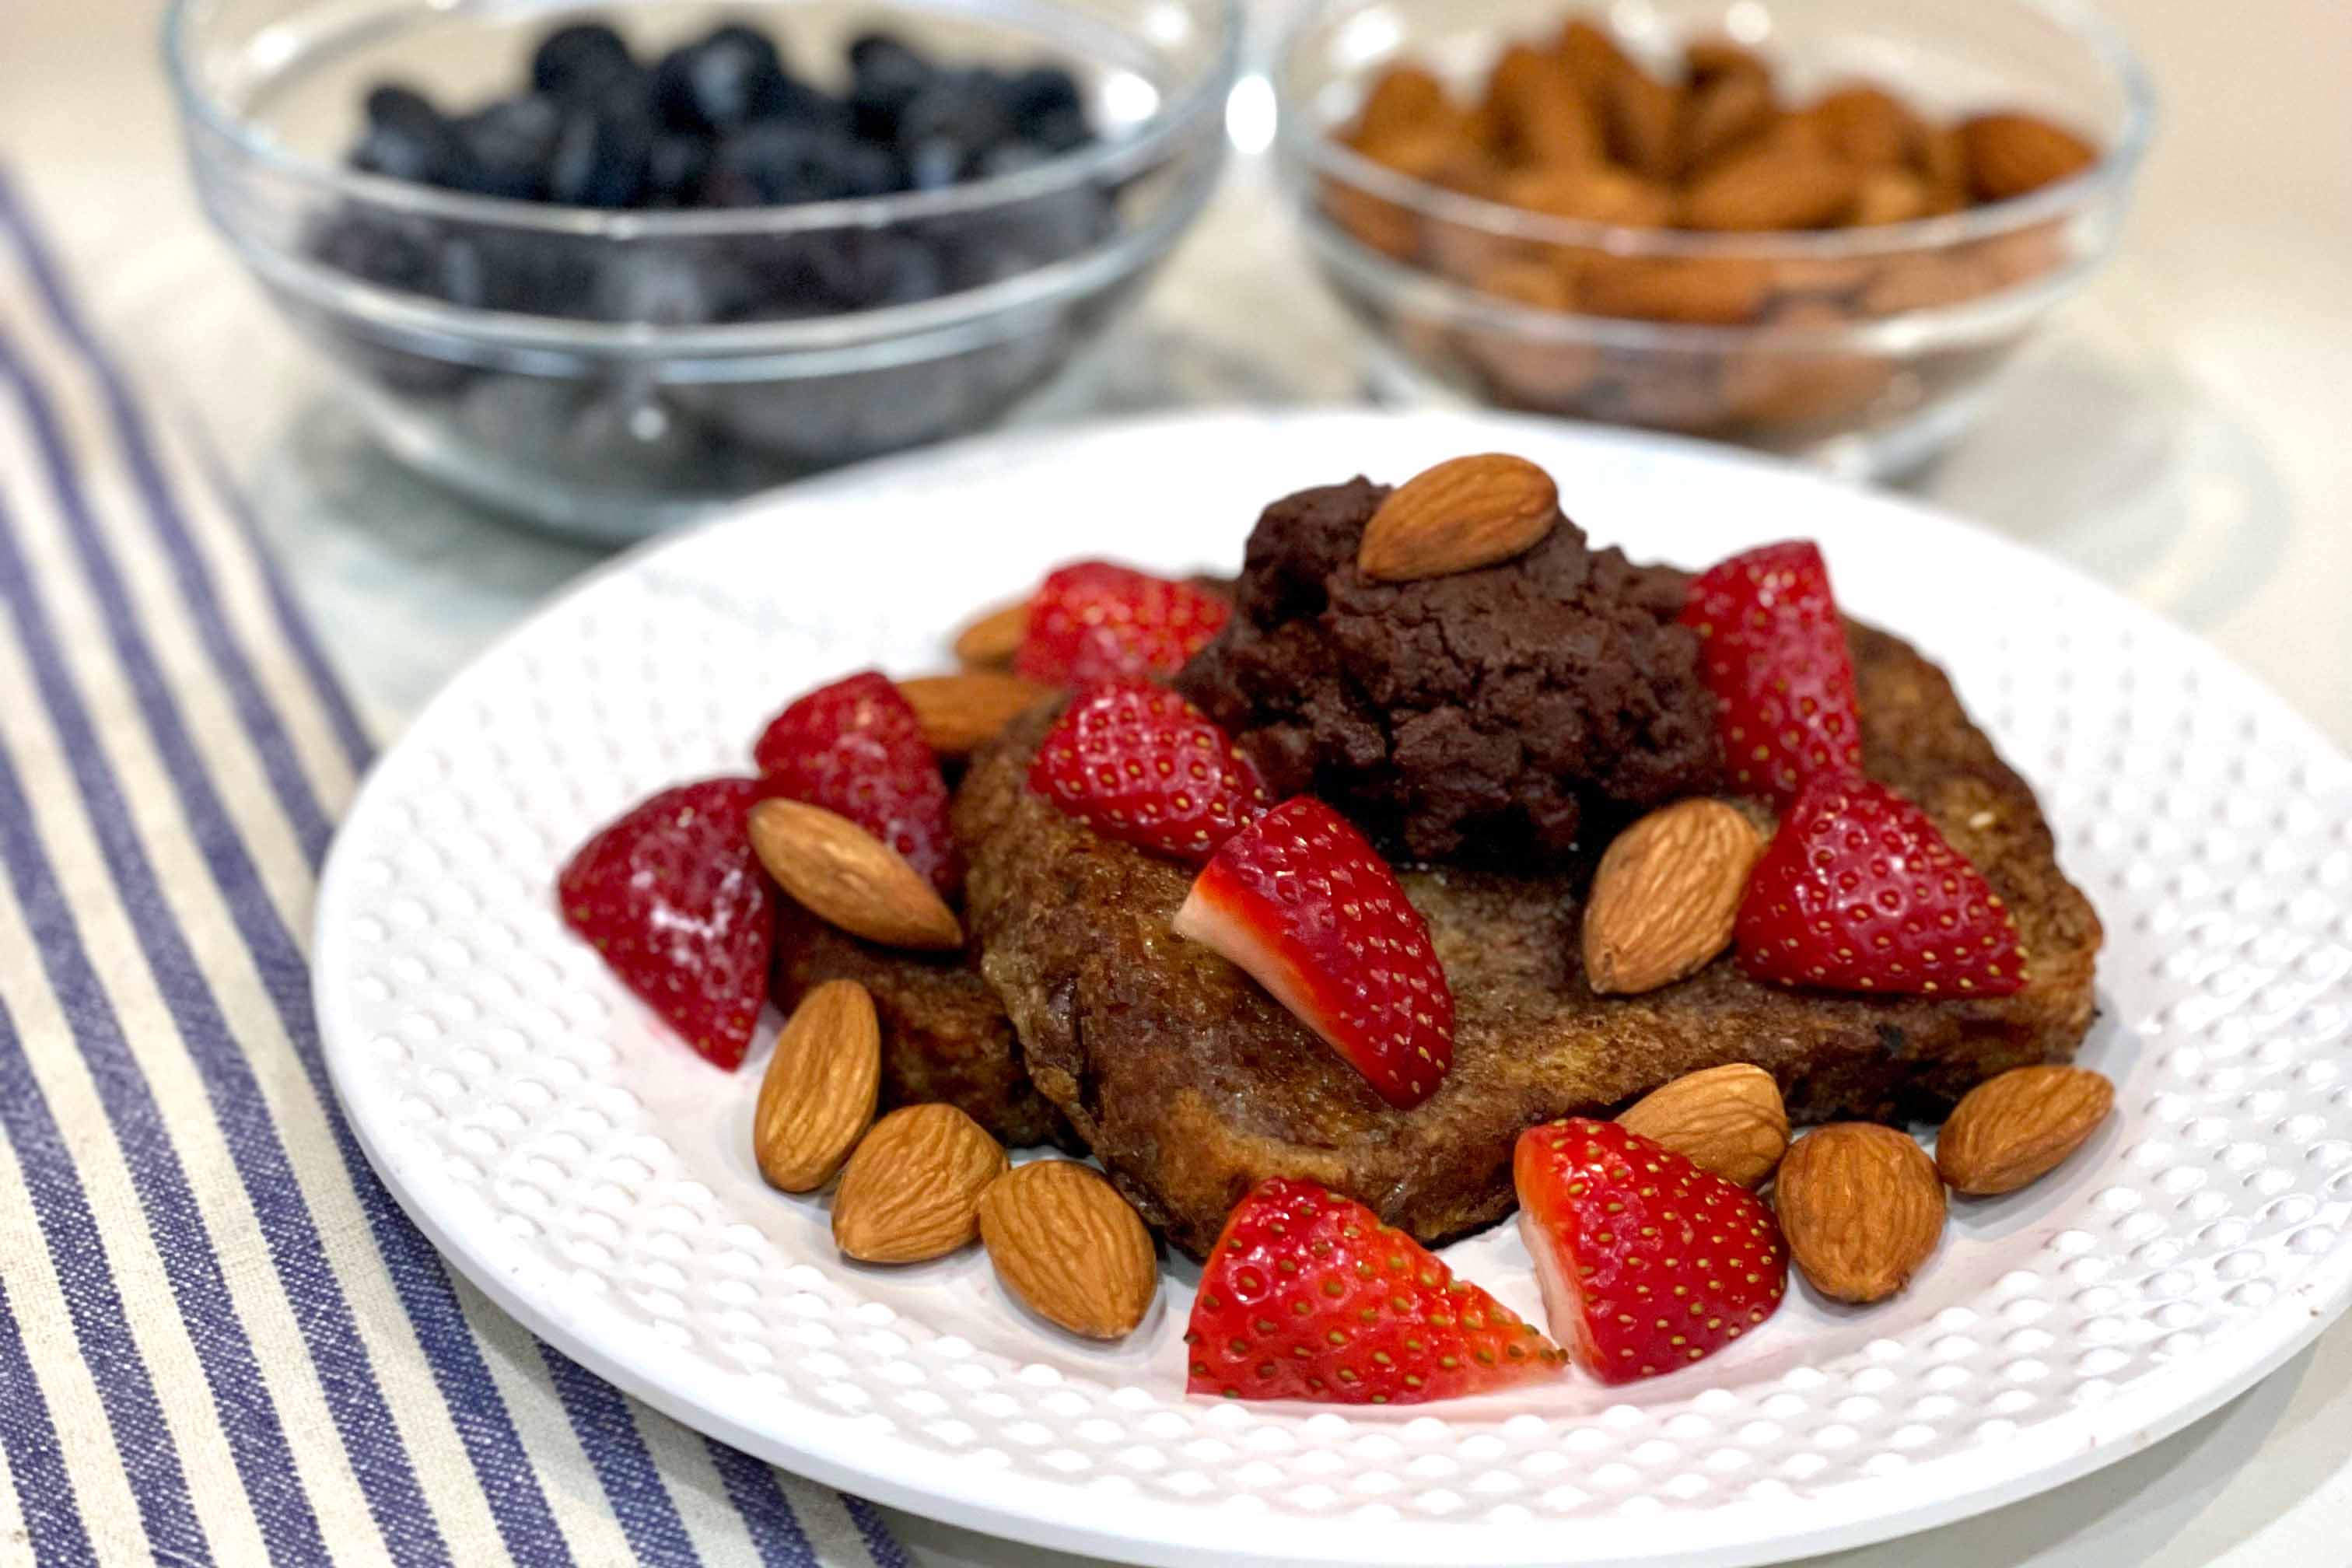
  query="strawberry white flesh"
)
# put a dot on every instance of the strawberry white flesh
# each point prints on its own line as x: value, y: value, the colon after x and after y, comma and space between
x: 1311, y: 911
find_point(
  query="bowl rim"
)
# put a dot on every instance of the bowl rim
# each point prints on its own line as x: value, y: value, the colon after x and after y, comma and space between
x: 1310, y: 148
x: 1102, y: 161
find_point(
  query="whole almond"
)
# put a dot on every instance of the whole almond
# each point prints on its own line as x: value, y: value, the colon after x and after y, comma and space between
x: 1778, y: 185
x: 911, y: 1190
x: 1642, y: 117
x: 2009, y: 154
x: 1069, y: 1247
x: 1593, y: 194
x: 1728, y: 1119
x: 819, y: 1092
x: 847, y: 877
x: 992, y: 640
x: 1404, y: 96
x: 1463, y: 514
x: 2020, y: 1125
x: 1862, y: 1207
x: 1703, y: 291
x: 1891, y: 195
x: 1726, y: 113
x: 1713, y: 57
x: 1867, y: 126
x: 962, y: 713
x: 1665, y: 896
x: 1545, y: 117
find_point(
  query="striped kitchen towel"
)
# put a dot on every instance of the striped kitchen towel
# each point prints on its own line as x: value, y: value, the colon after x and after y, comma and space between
x: 220, y: 1341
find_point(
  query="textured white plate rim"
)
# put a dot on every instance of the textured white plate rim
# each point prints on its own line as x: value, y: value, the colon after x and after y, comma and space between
x: 832, y: 1448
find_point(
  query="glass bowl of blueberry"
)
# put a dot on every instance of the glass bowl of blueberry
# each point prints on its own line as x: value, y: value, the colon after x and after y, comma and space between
x: 605, y: 268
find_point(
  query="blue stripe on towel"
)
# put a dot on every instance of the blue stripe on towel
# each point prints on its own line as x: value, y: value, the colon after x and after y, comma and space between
x: 304, y: 1272
x: 151, y: 1461
x: 607, y: 1428
x: 188, y: 569
x: 752, y: 1486
x: 377, y: 1453
x: 44, y: 1493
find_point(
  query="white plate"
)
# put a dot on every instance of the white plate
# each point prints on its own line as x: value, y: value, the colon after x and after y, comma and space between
x: 596, y: 1179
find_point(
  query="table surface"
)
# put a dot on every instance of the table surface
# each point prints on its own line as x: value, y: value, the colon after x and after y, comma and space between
x: 2181, y: 436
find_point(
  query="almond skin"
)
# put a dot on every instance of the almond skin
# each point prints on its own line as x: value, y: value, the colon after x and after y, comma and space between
x: 962, y: 713
x: 818, y: 1095
x: 1727, y: 1120
x: 1777, y: 186
x: 1702, y: 290
x: 1070, y: 1248
x: 847, y: 877
x: 1459, y: 516
x: 2009, y: 154
x: 991, y: 641
x: 2018, y: 1126
x: 911, y: 1191
x: 1665, y: 896
x: 1862, y: 1207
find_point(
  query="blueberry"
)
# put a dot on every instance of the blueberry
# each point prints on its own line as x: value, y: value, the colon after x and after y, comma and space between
x: 601, y: 154
x: 1059, y: 132
x: 538, y: 274
x: 585, y: 60
x: 401, y: 253
x: 934, y: 164
x: 884, y: 75
x: 717, y: 84
x: 407, y: 139
x: 962, y: 114
x: 463, y: 276
x: 1045, y: 93
x: 510, y: 144
x: 776, y: 164
x: 675, y: 167
x: 865, y: 270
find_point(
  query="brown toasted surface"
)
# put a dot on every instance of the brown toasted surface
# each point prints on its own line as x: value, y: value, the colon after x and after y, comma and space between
x: 1191, y: 1083
x: 944, y: 1034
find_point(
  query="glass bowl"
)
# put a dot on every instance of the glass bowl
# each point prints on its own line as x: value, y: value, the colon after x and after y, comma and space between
x: 601, y: 370
x: 1866, y: 349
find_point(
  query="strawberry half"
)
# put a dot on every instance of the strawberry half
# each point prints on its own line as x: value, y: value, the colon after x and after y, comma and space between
x: 1302, y: 902
x: 1094, y: 621
x: 856, y: 749
x: 1308, y: 1296
x: 1647, y: 1262
x: 1859, y: 892
x: 1773, y: 652
x: 672, y: 896
x: 1137, y: 762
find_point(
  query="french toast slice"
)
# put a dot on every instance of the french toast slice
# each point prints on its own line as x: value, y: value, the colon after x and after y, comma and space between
x: 1191, y: 1083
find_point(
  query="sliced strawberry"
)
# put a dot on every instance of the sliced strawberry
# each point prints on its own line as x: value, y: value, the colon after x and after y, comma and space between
x: 1139, y: 763
x: 672, y: 896
x: 1859, y: 892
x: 856, y: 749
x: 1092, y: 621
x: 1773, y: 652
x: 1308, y: 1296
x: 1301, y: 901
x: 1647, y: 1262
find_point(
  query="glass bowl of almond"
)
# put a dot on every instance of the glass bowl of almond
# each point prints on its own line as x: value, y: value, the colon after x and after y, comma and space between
x: 1815, y: 227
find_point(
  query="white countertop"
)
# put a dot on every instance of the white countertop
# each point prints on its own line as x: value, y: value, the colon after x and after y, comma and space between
x: 2182, y: 437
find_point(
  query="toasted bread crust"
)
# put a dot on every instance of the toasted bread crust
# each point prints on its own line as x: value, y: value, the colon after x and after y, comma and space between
x: 1191, y: 1084
x: 944, y: 1034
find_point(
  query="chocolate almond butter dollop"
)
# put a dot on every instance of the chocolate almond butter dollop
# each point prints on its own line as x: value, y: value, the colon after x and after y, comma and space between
x: 1491, y: 715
